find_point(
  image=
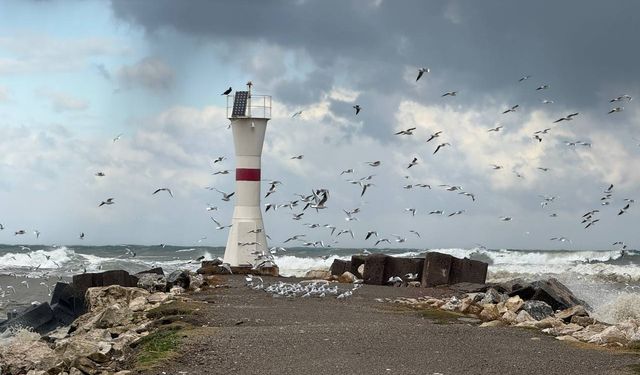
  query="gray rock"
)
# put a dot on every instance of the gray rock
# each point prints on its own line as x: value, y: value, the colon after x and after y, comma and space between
x: 551, y: 291
x: 491, y: 296
x: 537, y: 309
x: 152, y: 282
x: 179, y: 278
x: 39, y: 317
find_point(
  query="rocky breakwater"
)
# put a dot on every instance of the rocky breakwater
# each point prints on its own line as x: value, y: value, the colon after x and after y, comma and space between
x: 547, y: 305
x: 117, y: 318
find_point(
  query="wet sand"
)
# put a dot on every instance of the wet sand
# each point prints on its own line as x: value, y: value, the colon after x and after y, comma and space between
x: 250, y: 332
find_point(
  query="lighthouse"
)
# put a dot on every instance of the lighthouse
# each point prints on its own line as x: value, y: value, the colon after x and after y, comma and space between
x: 249, y: 115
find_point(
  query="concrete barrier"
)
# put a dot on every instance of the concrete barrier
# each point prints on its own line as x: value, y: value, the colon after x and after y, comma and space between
x: 444, y: 269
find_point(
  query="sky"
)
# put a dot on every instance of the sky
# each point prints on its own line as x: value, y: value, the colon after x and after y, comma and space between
x: 75, y: 75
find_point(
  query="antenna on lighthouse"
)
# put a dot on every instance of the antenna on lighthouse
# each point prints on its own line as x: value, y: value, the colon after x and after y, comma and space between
x: 247, y: 243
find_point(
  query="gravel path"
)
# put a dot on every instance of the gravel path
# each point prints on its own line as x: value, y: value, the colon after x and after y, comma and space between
x: 252, y: 333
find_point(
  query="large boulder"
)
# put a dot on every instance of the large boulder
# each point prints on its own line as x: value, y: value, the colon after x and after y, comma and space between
x: 179, y: 278
x: 568, y: 314
x: 100, y: 298
x: 537, y: 309
x: 551, y: 291
x: 152, y: 282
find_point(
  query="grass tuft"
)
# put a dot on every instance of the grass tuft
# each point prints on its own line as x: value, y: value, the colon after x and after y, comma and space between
x: 157, y: 347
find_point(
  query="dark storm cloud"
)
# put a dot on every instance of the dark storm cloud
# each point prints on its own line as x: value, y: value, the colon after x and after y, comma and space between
x: 583, y: 50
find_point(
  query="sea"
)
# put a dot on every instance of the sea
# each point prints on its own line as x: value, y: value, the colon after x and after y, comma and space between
x: 608, y: 280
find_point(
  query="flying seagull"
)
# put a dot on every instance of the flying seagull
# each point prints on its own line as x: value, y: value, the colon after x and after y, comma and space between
x: 413, y: 162
x: 496, y: 129
x: 542, y: 87
x: 567, y: 117
x: 117, y: 138
x: 164, y: 189
x: 422, y: 71
x: 441, y: 145
x: 450, y: 93
x: 512, y: 109
x: 434, y: 135
x: 109, y: 201
x: 621, y: 97
x: 99, y: 174
x: 227, y: 91
x: 225, y: 196
x: 297, y: 157
x: 405, y: 132
x: 219, y: 159
x: 524, y: 78
x: 616, y: 109
x: 357, y: 108
x: 296, y: 114
x: 374, y: 163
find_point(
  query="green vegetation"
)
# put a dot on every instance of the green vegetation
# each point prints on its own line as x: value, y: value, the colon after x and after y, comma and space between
x: 158, y: 346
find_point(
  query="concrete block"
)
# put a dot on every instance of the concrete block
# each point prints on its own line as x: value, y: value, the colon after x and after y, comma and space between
x: 397, y: 266
x: 118, y: 277
x: 374, y: 267
x: 34, y: 317
x: 338, y: 267
x: 467, y: 270
x: 157, y: 270
x: 437, y: 268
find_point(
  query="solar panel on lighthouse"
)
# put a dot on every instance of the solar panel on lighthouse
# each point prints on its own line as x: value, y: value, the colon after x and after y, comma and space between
x: 240, y: 104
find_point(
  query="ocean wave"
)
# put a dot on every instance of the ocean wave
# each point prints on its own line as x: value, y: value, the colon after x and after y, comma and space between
x: 40, y: 258
x: 291, y: 265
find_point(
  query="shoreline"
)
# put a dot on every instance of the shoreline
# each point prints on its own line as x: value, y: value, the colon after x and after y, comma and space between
x: 240, y: 330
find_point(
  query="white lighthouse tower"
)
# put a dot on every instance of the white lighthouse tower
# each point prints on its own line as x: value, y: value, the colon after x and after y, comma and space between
x: 247, y: 237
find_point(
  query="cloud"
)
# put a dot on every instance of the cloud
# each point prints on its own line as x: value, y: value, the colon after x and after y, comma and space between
x: 61, y: 102
x: 150, y: 73
x: 38, y: 53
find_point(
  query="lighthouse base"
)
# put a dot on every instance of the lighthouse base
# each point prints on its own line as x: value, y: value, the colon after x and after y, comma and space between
x: 247, y: 243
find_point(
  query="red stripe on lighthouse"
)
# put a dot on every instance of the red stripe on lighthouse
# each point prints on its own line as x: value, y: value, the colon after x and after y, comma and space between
x: 247, y: 174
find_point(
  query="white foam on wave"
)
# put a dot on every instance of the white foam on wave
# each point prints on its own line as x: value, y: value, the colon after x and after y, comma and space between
x: 44, y: 258
x: 624, y: 307
x: 291, y: 265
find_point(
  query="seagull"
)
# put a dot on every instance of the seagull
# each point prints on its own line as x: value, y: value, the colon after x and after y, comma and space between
x: 512, y: 109
x: 626, y: 97
x: 345, y: 231
x: 524, y: 78
x: 163, y: 189
x: 82, y: 236
x: 227, y: 91
x: 296, y: 114
x: 364, y: 187
x: 219, y: 159
x: 109, y: 201
x: 414, y: 232
x: 371, y: 233
x: 561, y: 239
x: 456, y: 213
x: 357, y: 108
x: 422, y: 71
x: 616, y: 109
x: 434, y: 135
x: 1, y: 226
x: 220, y: 226
x: 546, y: 101
x: 225, y: 196
x: 374, y: 163
x: 505, y: 218
x: 543, y: 131
x: 440, y: 146
x: 543, y: 169
x: 37, y: 233
x: 537, y: 138
x: 350, y: 170
x: 211, y: 208
x: 295, y: 238
x: 99, y: 174
x: 297, y: 157
x: 117, y: 138
x: 470, y: 195
x: 413, y: 162
x: 543, y: 87
x: 382, y: 240
x: 412, y: 210
x: 399, y: 239
x: 568, y: 117
x: 405, y: 132
x: 496, y: 129
x: 450, y: 93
